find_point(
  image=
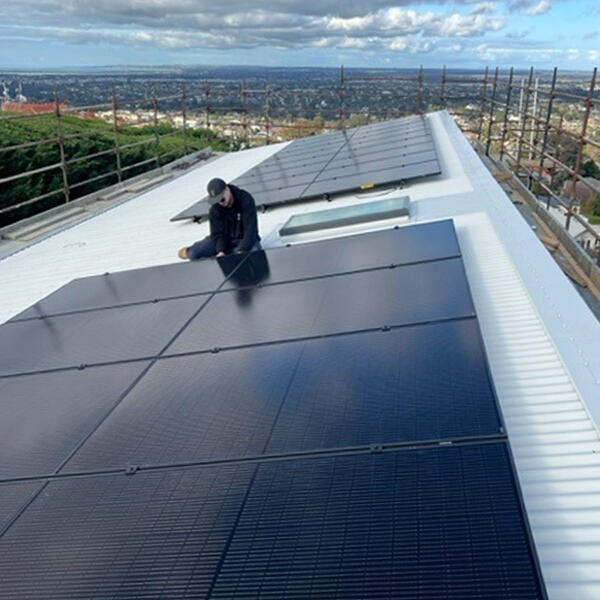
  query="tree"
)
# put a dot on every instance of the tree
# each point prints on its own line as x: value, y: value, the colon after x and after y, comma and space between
x: 590, y: 169
x: 564, y: 148
x: 596, y: 206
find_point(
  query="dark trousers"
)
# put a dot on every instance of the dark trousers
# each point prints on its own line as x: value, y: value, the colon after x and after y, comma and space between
x: 206, y: 248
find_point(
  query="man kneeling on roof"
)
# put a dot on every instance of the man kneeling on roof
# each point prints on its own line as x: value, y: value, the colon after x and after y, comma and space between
x: 232, y: 220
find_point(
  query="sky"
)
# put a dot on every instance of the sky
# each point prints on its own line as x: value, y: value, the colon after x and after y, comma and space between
x: 37, y: 34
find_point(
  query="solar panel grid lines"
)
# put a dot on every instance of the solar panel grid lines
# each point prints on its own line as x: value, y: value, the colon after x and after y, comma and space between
x: 345, y: 302
x: 374, y: 178
x: 280, y: 391
x: 394, y: 246
x: 350, y: 447
x: 401, y: 149
x: 45, y: 415
x: 452, y: 506
x: 111, y: 517
x: 370, y: 169
x: 134, y: 286
x: 13, y: 498
x: 332, y: 157
x: 130, y: 537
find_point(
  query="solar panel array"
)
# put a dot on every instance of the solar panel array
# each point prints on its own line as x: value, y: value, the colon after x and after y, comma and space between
x: 315, y: 421
x: 337, y: 162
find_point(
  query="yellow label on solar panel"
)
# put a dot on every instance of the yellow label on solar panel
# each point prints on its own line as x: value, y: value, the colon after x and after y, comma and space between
x: 367, y: 186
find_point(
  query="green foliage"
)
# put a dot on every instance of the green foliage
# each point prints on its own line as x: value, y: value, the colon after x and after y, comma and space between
x: 596, y: 206
x: 82, y: 138
x: 590, y: 169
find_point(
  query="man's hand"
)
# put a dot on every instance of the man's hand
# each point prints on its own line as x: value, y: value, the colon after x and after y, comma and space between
x: 220, y: 254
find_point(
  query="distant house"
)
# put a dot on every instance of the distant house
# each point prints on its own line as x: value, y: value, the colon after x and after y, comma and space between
x: 32, y: 108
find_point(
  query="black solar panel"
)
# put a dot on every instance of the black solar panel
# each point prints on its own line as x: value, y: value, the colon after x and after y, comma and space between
x: 434, y: 523
x: 140, y: 285
x: 336, y: 392
x: 13, y: 498
x: 93, y: 337
x: 364, y: 300
x: 156, y: 535
x: 404, y: 245
x: 190, y: 408
x: 352, y: 448
x: 427, y: 524
x: 45, y: 415
x: 384, y: 387
x: 328, y: 164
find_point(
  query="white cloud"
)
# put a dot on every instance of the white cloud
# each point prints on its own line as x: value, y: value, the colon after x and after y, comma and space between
x: 352, y: 24
x: 182, y: 24
x: 351, y: 42
x: 542, y: 7
x: 411, y: 45
x: 484, y: 8
x: 463, y: 26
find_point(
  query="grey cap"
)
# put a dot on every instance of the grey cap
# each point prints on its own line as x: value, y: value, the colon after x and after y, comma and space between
x: 216, y: 190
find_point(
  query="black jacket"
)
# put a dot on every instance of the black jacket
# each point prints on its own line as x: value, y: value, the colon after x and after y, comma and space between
x: 234, y: 228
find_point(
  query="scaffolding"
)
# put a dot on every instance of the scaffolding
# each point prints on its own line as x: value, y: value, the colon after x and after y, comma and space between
x: 519, y: 118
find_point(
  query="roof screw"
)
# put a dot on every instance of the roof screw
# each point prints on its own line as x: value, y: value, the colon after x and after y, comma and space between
x: 130, y: 469
x: 216, y: 350
x: 81, y: 367
x: 385, y: 328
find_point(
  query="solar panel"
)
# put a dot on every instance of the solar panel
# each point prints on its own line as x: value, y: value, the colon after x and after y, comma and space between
x: 434, y: 523
x: 351, y: 447
x: 337, y: 304
x: 13, y: 497
x: 427, y: 524
x: 46, y: 415
x: 124, y: 537
x: 75, y: 339
x: 334, y: 392
x: 384, y: 248
x: 190, y: 408
x: 338, y: 162
x: 384, y: 387
x: 139, y: 285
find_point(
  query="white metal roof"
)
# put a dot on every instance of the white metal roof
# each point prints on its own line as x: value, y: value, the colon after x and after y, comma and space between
x: 543, y: 342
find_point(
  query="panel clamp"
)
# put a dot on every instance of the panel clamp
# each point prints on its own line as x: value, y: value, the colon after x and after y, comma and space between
x: 130, y: 469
